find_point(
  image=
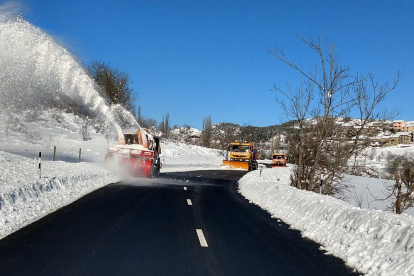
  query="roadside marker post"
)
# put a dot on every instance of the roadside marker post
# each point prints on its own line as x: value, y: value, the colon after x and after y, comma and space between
x: 54, y: 153
x: 40, y: 165
x: 261, y: 166
x: 320, y: 187
x: 80, y: 151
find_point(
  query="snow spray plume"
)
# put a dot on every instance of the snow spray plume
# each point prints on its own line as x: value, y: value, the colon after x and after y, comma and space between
x: 12, y: 8
x: 36, y: 71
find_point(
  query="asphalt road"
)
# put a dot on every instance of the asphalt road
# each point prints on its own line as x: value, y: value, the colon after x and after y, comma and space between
x: 195, y: 225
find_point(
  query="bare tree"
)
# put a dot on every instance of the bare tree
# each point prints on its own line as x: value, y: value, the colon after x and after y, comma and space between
x: 165, y: 125
x: 139, y: 116
x: 358, y: 197
x: 207, y: 132
x: 116, y: 85
x: 7, y: 126
x: 276, y: 140
x: 148, y: 122
x: 85, y: 129
x: 401, y: 169
x: 162, y: 125
x: 373, y: 153
x: 327, y: 93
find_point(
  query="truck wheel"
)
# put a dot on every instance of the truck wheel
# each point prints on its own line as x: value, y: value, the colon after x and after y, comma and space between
x: 156, y: 168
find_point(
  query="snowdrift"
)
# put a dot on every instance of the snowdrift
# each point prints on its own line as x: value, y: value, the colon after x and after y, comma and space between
x: 372, y: 241
x: 25, y: 198
x: 183, y: 157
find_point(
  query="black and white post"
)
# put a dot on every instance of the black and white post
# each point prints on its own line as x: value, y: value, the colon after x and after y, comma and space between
x: 261, y: 166
x: 320, y: 188
x: 40, y: 165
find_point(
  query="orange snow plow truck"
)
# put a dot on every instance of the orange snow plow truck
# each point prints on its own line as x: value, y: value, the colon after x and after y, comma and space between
x: 278, y: 160
x: 242, y: 155
x: 138, y: 152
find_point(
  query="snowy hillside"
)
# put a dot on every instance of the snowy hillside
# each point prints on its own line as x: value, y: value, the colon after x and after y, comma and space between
x: 183, y: 157
x: 185, y: 132
x: 48, y: 129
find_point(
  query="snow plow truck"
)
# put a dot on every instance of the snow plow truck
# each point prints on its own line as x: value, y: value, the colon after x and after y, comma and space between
x: 138, y: 152
x: 278, y: 160
x: 242, y: 155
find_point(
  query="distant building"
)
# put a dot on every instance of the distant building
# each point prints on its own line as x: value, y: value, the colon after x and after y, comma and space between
x: 400, y: 138
x: 408, y: 127
x: 401, y: 125
x: 397, y: 125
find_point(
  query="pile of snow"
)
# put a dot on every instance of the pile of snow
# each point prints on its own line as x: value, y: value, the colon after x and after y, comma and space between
x: 186, y: 132
x: 25, y: 198
x: 184, y: 157
x: 372, y: 241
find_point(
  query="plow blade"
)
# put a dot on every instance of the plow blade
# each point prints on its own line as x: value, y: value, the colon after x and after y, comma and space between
x: 236, y: 164
x: 278, y: 165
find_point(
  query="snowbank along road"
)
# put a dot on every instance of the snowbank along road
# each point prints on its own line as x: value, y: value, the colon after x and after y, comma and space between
x: 193, y: 223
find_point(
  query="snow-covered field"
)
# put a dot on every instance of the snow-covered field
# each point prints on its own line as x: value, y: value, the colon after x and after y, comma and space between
x: 370, y: 192
x: 373, y: 241
x: 374, y: 159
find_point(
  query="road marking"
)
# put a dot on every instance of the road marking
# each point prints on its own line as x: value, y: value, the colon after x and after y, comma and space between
x: 201, y: 238
x: 189, y: 202
x: 185, y: 188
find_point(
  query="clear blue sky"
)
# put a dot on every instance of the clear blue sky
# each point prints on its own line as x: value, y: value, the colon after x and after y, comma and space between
x: 192, y: 58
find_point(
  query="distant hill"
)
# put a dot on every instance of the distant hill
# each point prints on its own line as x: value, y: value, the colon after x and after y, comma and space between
x: 224, y: 133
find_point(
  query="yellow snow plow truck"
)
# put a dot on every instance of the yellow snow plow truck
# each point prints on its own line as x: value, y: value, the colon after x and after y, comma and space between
x: 242, y: 155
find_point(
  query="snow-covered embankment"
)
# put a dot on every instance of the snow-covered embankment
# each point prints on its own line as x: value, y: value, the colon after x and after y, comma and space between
x: 25, y: 198
x: 184, y: 157
x: 372, y: 241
